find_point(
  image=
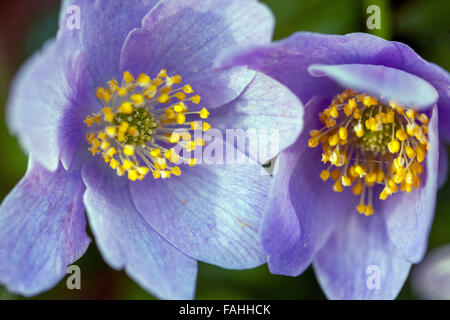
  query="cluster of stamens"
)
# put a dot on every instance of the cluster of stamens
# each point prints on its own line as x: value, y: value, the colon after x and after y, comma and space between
x: 368, y: 143
x: 142, y: 121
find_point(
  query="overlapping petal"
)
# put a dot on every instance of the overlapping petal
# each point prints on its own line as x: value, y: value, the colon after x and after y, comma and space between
x: 210, y: 212
x: 359, y: 261
x: 48, y: 85
x: 387, y: 84
x: 42, y: 229
x: 185, y: 38
x: 126, y: 240
x: 269, y: 113
x: 409, y: 215
x: 302, y: 210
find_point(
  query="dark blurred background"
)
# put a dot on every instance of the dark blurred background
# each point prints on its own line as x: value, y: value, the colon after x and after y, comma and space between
x: 26, y: 24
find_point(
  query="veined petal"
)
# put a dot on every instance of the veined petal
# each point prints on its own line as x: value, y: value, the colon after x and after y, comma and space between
x: 49, y: 84
x: 185, y: 37
x: 210, y: 212
x: 287, y: 60
x: 127, y: 241
x: 104, y: 25
x: 42, y: 230
x: 409, y: 215
x: 388, y: 84
x: 266, y: 109
x: 302, y: 210
x: 360, y: 262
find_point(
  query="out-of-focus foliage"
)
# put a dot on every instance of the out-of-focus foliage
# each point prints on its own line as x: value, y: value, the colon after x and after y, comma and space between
x: 26, y: 24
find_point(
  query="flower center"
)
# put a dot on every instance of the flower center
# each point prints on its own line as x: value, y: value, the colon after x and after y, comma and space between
x: 141, y: 122
x: 368, y: 143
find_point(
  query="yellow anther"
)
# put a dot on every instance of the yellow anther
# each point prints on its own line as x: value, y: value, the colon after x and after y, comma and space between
x: 420, y: 153
x: 410, y: 152
x: 170, y: 114
x: 186, y: 136
x: 401, y: 135
x: 192, y: 162
x: 104, y: 94
x: 370, y: 101
x: 361, y: 208
x: 360, y: 171
x: 333, y: 140
x: 121, y: 136
x: 190, y: 145
x: 114, y: 163
x: 413, y: 129
x: 333, y: 112
x: 111, y: 152
x: 410, y: 113
x: 390, y: 117
x: 176, y: 171
x: 165, y: 174
x: 394, y: 146
x: 199, y: 142
x: 174, y: 137
x: 357, y: 188
x: 105, y: 145
x: 164, y: 98
x: 205, y: 126
x: 313, y: 142
x: 157, y: 82
x: 359, y: 130
x: 128, y: 150
x: 187, y: 89
x: 181, y: 118
x: 143, y: 170
x: 343, y: 133
x: 346, y: 182
x: 124, y: 126
x: 155, y: 152
x: 128, y: 77
x: 150, y: 92
x: 179, y: 95
x: 380, y: 176
x: 143, y: 80
x: 133, y: 131
x: 356, y: 113
x: 369, y: 210
x: 137, y: 99
x: 335, y: 174
x: 204, y: 113
x: 122, y: 92
x: 162, y: 73
x: 337, y: 187
x: 176, y: 79
x: 111, y: 131
x: 132, y: 175
x: 196, y: 99
x: 127, y: 164
x: 179, y: 107
x: 156, y: 174
x: 126, y: 108
x: 324, y: 175
x: 113, y: 85
x: 423, y: 118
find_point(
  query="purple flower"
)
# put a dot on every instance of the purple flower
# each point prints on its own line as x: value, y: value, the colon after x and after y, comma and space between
x: 370, y: 134
x: 97, y: 110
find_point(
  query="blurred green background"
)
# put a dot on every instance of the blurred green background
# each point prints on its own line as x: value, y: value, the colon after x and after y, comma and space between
x: 26, y: 24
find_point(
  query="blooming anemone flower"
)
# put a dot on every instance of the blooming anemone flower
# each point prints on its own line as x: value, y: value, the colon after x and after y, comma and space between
x: 355, y: 195
x: 98, y: 111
